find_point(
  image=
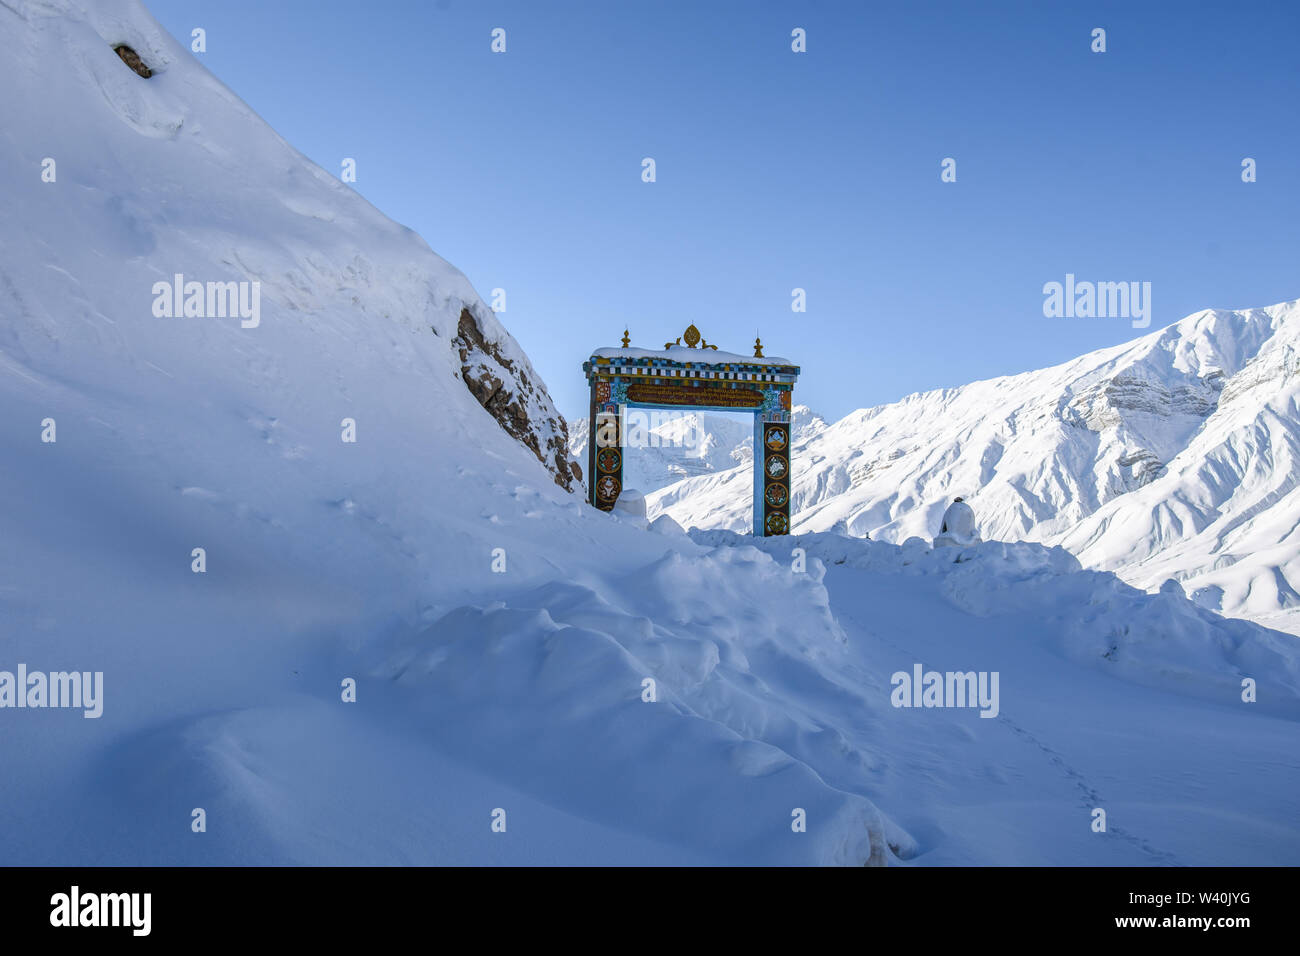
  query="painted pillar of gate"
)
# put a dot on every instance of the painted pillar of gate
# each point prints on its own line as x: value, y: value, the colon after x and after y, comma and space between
x: 756, y: 505
x: 605, y: 441
x: 772, y: 478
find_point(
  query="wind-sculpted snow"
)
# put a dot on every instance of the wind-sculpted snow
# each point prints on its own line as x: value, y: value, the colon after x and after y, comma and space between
x: 761, y: 703
x: 1162, y: 640
x: 735, y: 729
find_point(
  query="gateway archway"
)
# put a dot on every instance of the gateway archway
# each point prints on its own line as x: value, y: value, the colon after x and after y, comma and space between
x: 695, y: 376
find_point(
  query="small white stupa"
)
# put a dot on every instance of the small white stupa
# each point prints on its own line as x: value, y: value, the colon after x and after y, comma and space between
x: 958, y: 528
x: 631, y: 507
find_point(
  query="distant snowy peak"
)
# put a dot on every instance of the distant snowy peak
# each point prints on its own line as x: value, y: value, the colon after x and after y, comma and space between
x: 1222, y: 517
x: 1203, y: 412
x: 807, y: 423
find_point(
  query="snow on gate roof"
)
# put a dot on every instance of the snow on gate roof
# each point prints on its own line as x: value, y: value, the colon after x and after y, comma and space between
x: 689, y: 356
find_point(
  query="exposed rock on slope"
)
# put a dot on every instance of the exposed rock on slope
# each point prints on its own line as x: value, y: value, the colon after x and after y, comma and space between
x: 132, y: 59
x: 507, y: 393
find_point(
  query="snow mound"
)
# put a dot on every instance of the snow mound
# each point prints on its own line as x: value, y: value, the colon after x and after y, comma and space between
x: 695, y: 721
x: 1163, y: 640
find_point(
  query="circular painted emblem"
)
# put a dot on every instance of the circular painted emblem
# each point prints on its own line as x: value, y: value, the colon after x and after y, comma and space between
x: 776, y: 466
x: 775, y: 439
x: 608, y: 460
x: 776, y: 495
x: 777, y: 523
x: 607, y: 488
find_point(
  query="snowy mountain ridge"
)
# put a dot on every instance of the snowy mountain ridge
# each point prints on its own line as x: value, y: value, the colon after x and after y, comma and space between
x: 1169, y: 456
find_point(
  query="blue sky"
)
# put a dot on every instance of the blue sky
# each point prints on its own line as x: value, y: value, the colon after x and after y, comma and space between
x: 819, y: 170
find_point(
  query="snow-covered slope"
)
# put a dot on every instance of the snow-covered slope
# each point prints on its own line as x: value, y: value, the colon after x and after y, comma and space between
x: 535, y: 681
x: 1171, y: 456
x: 173, y: 175
x: 1223, y: 518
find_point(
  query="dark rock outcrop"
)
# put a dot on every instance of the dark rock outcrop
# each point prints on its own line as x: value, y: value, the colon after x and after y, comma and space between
x: 506, y: 393
x: 132, y: 59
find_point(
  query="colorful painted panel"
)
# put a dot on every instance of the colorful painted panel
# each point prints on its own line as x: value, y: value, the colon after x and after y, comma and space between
x: 775, y: 484
x: 695, y: 395
x: 606, y: 455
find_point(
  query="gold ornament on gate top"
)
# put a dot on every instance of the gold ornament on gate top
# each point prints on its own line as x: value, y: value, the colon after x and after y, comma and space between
x: 692, y: 337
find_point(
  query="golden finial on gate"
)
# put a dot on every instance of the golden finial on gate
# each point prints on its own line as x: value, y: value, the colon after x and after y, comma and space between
x: 693, y: 339
x: 758, y: 347
x: 626, y: 340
